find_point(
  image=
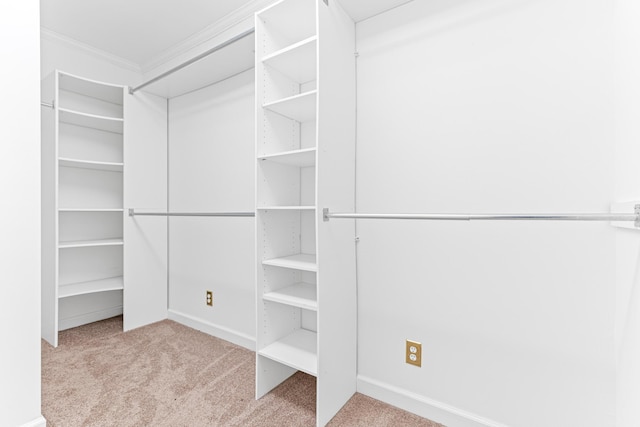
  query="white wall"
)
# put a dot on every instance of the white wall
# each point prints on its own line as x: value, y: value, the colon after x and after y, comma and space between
x: 493, y: 106
x: 20, y: 229
x: 627, y: 241
x: 67, y: 55
x: 211, y: 169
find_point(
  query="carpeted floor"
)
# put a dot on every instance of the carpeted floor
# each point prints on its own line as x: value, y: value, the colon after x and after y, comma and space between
x: 167, y: 374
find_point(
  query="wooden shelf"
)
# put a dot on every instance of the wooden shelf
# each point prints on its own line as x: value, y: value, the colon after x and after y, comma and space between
x: 304, y: 262
x: 93, y: 121
x: 90, y: 243
x: 82, y: 288
x: 89, y: 164
x: 302, y: 295
x: 297, y: 61
x: 301, y: 158
x: 297, y: 350
x: 301, y: 108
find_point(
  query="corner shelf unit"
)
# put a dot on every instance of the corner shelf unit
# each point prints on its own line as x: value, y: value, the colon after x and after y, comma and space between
x: 82, y: 202
x: 305, y: 157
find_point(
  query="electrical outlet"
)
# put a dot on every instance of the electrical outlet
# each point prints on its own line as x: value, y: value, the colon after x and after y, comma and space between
x: 210, y: 298
x: 413, y: 353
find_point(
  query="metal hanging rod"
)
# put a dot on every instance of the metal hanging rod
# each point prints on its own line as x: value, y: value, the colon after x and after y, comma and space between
x: 46, y: 104
x: 635, y: 217
x: 194, y: 59
x: 132, y: 212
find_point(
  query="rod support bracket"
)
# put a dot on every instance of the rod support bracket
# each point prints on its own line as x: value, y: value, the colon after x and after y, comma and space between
x: 131, y: 212
x: 636, y: 210
x: 325, y: 214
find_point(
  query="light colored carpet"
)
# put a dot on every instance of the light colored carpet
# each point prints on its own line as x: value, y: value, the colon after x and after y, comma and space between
x: 167, y: 374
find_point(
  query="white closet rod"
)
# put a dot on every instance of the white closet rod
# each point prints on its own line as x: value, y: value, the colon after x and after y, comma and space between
x: 132, y: 212
x: 194, y: 59
x: 635, y: 217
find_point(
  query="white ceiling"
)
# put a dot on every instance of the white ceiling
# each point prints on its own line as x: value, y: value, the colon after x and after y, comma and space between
x: 139, y: 31
x: 363, y: 9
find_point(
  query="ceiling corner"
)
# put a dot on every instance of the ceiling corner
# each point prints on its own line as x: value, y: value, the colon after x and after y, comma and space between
x: 208, y: 33
x: 54, y: 37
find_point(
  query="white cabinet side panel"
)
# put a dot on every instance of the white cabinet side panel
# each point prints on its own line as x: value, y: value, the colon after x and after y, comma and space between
x: 49, y: 282
x: 211, y: 134
x: 20, y: 248
x: 145, y: 187
x: 335, y: 179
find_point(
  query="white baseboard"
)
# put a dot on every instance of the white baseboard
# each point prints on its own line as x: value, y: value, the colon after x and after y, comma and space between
x: 94, y: 316
x: 38, y: 422
x: 212, y: 329
x: 421, y: 405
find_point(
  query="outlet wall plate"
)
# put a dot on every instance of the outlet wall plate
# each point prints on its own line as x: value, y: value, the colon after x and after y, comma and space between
x: 413, y: 353
x: 210, y: 298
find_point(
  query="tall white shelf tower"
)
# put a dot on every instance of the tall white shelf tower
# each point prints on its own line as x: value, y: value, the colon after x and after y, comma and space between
x: 82, y: 203
x: 305, y: 149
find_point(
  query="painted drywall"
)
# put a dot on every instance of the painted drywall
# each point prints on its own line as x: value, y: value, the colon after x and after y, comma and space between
x: 71, y: 56
x: 20, y: 243
x: 494, y: 106
x: 211, y: 169
x: 627, y: 108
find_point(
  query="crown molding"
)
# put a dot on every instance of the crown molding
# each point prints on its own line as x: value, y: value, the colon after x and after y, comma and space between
x: 206, y: 34
x: 69, y: 42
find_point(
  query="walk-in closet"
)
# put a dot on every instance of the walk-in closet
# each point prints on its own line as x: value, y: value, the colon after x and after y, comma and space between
x: 321, y: 212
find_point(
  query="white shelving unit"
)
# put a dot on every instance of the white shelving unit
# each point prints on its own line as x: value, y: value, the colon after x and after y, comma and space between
x: 301, y: 158
x: 301, y: 107
x: 91, y: 121
x: 86, y: 164
x: 305, y: 156
x: 297, y: 350
x: 302, y: 262
x: 82, y: 203
x: 90, y: 287
x: 90, y: 243
x: 89, y: 210
x: 287, y: 208
x: 297, y: 61
x: 302, y: 295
